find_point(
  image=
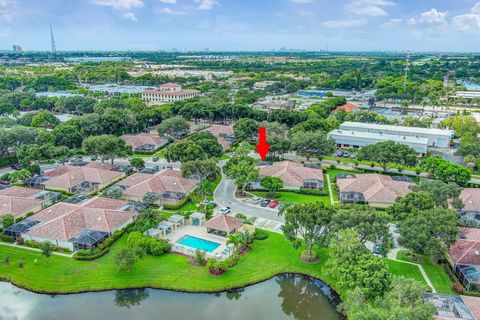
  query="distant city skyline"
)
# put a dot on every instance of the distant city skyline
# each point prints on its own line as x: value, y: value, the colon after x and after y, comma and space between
x: 247, y: 25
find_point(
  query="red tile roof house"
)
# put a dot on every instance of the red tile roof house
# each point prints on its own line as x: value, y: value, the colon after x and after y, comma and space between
x: 18, y: 201
x: 471, y: 203
x: 464, y: 257
x: 87, y: 179
x: 147, y: 142
x: 224, y: 135
x: 373, y: 189
x: 79, y: 226
x: 348, y: 107
x: 294, y: 175
x: 169, y: 184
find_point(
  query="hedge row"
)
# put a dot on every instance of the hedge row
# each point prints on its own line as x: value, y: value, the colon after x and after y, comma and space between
x: 7, y: 161
x: 101, y: 250
x: 176, y: 206
x: 6, y: 238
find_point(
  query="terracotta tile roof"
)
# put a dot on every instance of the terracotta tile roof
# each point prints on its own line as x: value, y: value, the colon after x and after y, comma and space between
x: 19, y: 192
x: 348, y: 107
x: 142, y: 139
x: 220, y: 132
x: 291, y: 173
x: 224, y: 223
x: 473, y: 304
x: 171, y: 93
x: 17, y: 206
x: 375, y: 187
x: 465, y: 250
x: 70, y: 176
x: 166, y: 180
x: 62, y: 221
x: 471, y: 199
x: 170, y: 85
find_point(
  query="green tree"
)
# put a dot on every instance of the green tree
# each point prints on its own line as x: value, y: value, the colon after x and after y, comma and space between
x: 47, y: 248
x: 312, y: 143
x: 184, y: 151
x: 44, y: 119
x: 245, y: 129
x: 106, y: 146
x: 272, y: 184
x: 443, y: 194
x: 389, y: 152
x: 307, y: 224
x: 137, y: 163
x: 202, y: 170
x: 151, y: 198
x: 404, y: 301
x: 173, y: 126
x: 68, y: 135
x: 462, y: 125
x: 242, y: 170
x: 430, y: 233
x: 411, y: 204
x: 125, y: 258
x: 353, y: 266
x: 370, y: 224
x: 7, y: 220
x: 114, y: 192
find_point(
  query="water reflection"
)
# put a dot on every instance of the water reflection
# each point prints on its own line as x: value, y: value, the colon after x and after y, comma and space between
x: 284, y: 297
x: 130, y: 298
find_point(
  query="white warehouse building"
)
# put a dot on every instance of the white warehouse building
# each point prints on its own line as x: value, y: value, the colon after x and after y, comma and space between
x: 437, y: 138
x: 358, y: 139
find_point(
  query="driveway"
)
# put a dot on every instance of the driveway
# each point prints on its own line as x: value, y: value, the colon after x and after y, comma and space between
x: 224, y: 195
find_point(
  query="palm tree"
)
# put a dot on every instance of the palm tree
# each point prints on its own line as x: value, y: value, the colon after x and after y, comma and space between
x: 246, y: 240
x: 234, y: 239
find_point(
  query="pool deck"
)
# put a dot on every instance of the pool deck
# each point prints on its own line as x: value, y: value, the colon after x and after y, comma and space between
x: 199, y: 232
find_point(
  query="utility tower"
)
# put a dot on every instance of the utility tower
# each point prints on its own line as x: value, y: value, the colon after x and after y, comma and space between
x: 407, y: 67
x: 54, y: 48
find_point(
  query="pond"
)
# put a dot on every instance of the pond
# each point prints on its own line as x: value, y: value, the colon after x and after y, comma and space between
x: 282, y: 297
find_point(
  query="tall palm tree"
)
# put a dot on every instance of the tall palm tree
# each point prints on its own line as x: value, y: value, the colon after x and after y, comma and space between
x: 234, y: 239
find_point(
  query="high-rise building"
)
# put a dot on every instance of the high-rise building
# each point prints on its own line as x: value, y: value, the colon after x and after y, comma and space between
x: 17, y: 48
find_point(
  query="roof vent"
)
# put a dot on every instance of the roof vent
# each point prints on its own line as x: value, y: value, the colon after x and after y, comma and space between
x: 477, y: 253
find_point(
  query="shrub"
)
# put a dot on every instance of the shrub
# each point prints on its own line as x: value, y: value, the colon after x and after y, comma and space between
x: 457, y: 287
x: 199, y: 258
x: 20, y: 241
x: 150, y: 245
x: 89, y: 255
x: 216, y: 267
x: 312, y: 192
x: 332, y: 167
x: 176, y: 206
x: 260, y: 235
x: 6, y: 238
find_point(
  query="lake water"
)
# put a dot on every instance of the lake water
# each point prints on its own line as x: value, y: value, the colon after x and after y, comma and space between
x: 283, y: 297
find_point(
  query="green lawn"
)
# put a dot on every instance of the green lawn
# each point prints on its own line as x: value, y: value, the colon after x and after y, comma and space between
x: 440, y: 280
x: 292, y: 197
x: 65, y: 275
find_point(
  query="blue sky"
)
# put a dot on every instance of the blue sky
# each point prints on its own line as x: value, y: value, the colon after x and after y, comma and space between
x: 357, y: 25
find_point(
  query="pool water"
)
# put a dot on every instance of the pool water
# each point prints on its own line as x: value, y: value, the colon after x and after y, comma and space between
x: 197, y: 243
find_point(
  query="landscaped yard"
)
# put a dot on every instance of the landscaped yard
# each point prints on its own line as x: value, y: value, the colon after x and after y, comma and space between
x: 269, y: 257
x: 440, y: 280
x: 293, y: 197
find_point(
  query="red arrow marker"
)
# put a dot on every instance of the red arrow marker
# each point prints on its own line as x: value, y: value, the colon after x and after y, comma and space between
x: 262, y: 146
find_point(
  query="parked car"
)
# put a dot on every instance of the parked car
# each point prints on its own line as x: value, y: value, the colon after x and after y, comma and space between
x: 257, y: 199
x: 281, y: 206
x: 313, y: 165
x: 94, y: 158
x: 155, y: 159
x: 338, y: 153
x: 377, y: 248
x: 16, y: 166
x: 225, y: 210
x: 264, y: 203
x: 4, y: 183
x: 273, y: 204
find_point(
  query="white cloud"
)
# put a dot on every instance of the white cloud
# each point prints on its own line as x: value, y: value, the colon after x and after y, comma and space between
x: 129, y: 16
x: 372, y: 8
x: 469, y: 21
x: 301, y: 1
x: 169, y: 1
x: 344, y: 23
x: 206, y: 4
x: 119, y: 4
x: 6, y: 16
x: 434, y: 17
x: 172, y: 12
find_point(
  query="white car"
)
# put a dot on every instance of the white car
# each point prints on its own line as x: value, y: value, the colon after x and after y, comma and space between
x: 256, y: 199
x: 224, y: 210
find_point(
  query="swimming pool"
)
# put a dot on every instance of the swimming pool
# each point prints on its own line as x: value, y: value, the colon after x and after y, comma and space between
x: 197, y: 243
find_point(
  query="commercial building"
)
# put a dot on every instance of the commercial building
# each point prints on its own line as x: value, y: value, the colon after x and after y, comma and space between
x: 167, y: 93
x: 438, y: 138
x: 357, y: 139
